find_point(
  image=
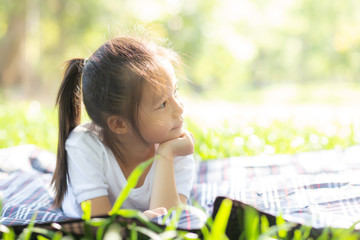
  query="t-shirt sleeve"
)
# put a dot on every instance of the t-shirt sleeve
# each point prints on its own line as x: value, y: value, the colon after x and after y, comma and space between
x: 184, y: 174
x: 86, y: 167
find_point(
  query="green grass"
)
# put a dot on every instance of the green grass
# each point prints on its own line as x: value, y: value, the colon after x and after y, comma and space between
x: 279, y: 137
x: 30, y: 123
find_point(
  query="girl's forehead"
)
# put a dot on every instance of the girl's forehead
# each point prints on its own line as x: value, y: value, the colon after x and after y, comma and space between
x: 163, y: 89
x: 153, y: 93
x: 164, y: 81
x: 167, y: 67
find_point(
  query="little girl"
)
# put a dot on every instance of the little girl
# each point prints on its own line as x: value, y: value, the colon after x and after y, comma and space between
x: 129, y: 90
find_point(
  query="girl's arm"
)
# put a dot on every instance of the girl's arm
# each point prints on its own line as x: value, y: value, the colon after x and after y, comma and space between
x: 164, y: 192
x: 100, y: 206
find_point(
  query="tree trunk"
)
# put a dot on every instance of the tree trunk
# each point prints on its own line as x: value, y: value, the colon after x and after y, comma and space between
x: 12, y: 48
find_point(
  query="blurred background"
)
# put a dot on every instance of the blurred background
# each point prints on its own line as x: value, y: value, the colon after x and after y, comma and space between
x: 246, y: 60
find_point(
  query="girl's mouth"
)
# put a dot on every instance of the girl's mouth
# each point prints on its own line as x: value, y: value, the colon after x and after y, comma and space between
x: 179, y: 126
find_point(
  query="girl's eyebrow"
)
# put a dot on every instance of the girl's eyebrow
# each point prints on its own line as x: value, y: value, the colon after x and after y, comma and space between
x: 158, y: 98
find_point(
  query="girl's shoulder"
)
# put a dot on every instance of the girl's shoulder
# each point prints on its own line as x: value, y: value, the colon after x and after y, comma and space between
x: 86, y: 133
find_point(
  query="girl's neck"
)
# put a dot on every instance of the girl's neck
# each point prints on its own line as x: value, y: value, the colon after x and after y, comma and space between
x: 136, y: 153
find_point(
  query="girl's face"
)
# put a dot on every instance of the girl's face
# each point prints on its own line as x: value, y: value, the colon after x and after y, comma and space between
x: 161, y: 113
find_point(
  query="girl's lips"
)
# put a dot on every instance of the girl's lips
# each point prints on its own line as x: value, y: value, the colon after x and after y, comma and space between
x: 178, y: 126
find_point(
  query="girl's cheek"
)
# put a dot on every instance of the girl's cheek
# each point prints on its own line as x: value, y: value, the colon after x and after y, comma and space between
x: 160, y: 124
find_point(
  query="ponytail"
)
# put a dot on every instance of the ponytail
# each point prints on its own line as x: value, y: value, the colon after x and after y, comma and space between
x: 69, y: 102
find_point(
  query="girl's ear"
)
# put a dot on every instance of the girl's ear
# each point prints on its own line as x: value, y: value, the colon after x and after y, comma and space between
x: 117, y: 124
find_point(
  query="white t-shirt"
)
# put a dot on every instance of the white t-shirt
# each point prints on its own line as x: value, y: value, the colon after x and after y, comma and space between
x: 94, y: 172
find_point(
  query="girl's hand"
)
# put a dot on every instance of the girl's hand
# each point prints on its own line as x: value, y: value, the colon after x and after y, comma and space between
x: 184, y: 145
x: 155, y: 212
x: 164, y: 192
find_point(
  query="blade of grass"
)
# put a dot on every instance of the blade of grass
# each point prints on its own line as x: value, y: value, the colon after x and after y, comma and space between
x: 175, y: 219
x: 146, y: 232
x: 272, y: 232
x: 221, y: 220
x: 251, y: 223
x: 325, y: 234
x: 354, y: 225
x: 114, y: 232
x: 59, y: 235
x: 7, y: 232
x: 133, y: 213
x: 61, y: 230
x: 205, y: 229
x: 264, y: 224
x: 86, y: 207
x: 4, y: 229
x: 42, y: 238
x: 133, y: 232
x: 26, y: 234
x: 101, y: 229
x: 281, y: 222
x: 45, y: 232
x: 188, y: 235
x: 305, y: 230
x: 172, y: 234
x: 97, y: 222
x: 131, y: 183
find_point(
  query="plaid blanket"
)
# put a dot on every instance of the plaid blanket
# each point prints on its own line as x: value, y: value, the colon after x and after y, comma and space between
x: 25, y: 191
x: 25, y: 175
x: 318, y: 189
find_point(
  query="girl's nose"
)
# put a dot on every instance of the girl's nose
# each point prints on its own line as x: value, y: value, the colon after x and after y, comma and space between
x: 177, y: 107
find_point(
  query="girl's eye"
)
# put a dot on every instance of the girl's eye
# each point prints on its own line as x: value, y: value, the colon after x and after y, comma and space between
x: 162, y: 105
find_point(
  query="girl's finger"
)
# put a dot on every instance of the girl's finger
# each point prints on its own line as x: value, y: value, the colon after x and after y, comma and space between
x: 155, y: 212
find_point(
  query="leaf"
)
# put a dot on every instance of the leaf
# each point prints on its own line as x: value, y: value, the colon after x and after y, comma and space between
x: 39, y: 237
x: 147, y: 232
x: 113, y: 232
x: 281, y: 222
x: 174, y: 221
x: 97, y: 222
x: 221, y: 220
x: 251, y: 223
x: 101, y: 229
x: 264, y: 223
x: 131, y: 183
x: 133, y: 213
x: 26, y: 234
x: 7, y: 233
x: 133, y: 233
x: 205, y: 229
x: 86, y: 207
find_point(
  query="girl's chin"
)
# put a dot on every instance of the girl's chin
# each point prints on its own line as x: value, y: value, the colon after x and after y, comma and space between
x: 179, y: 133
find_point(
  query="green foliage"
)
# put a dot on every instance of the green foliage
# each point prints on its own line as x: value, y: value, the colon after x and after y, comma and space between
x: 221, y: 220
x: 26, y: 234
x: 232, y: 46
x: 86, y: 208
x: 28, y: 123
x: 31, y: 123
x: 275, y: 137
